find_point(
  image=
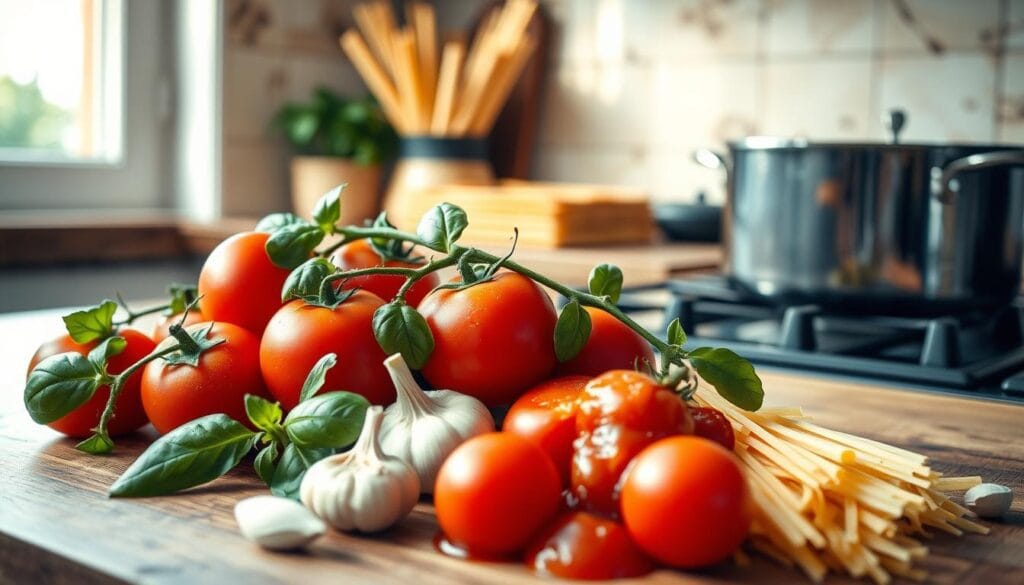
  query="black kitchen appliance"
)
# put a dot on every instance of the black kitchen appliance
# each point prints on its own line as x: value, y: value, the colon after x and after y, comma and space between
x: 975, y: 353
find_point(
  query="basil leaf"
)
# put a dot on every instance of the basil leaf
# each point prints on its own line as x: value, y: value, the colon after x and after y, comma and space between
x: 92, y: 323
x: 305, y: 280
x: 265, y: 463
x: 275, y: 221
x: 291, y: 468
x: 58, y: 385
x: 675, y: 333
x: 606, y: 281
x: 441, y: 226
x: 262, y: 412
x: 97, y: 444
x: 292, y: 245
x: 317, y: 376
x: 100, y: 354
x: 182, y: 295
x: 572, y: 330
x: 331, y: 420
x: 327, y: 210
x: 190, y: 455
x: 731, y: 375
x: 400, y: 328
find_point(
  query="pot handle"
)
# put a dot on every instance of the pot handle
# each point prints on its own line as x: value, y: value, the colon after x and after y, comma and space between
x: 711, y: 159
x: 944, y: 184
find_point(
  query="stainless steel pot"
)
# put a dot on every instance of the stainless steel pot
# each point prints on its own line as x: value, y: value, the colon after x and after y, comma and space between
x: 899, y: 227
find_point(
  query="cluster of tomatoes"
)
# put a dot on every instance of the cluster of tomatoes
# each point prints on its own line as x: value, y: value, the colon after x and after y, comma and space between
x: 599, y: 472
x: 597, y: 478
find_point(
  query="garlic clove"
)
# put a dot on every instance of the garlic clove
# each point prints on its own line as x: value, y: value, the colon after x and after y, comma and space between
x: 277, y: 523
x: 989, y: 500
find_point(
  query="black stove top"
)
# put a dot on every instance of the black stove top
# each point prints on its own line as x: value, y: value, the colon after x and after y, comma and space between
x: 977, y: 354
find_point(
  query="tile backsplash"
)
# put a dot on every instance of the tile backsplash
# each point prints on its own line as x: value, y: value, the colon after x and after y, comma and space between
x: 634, y: 86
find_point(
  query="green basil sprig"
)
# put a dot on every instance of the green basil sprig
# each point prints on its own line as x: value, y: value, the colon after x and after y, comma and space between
x: 92, y: 323
x: 572, y: 330
x: 63, y: 382
x: 207, y: 448
x: 400, y: 328
x: 731, y: 375
x: 442, y: 226
x: 606, y: 281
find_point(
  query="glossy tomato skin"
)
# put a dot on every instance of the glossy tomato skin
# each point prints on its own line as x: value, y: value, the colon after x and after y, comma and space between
x: 611, y: 346
x: 174, y: 394
x: 711, y: 424
x: 620, y: 413
x: 494, y: 493
x: 359, y: 254
x: 684, y: 501
x: 128, y: 412
x: 300, y: 334
x: 239, y: 284
x: 493, y: 340
x: 162, y: 328
x: 546, y: 416
x: 583, y: 546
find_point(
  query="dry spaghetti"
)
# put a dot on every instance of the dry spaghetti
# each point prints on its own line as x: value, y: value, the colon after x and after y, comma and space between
x: 826, y: 500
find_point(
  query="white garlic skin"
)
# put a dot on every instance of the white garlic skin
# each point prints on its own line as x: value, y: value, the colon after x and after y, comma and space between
x: 361, y: 490
x: 423, y: 427
x: 277, y: 523
x: 989, y: 500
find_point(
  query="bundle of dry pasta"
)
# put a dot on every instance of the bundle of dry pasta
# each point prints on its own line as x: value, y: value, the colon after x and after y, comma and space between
x: 826, y: 500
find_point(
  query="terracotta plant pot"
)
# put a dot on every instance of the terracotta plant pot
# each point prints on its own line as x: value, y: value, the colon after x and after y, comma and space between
x: 312, y: 176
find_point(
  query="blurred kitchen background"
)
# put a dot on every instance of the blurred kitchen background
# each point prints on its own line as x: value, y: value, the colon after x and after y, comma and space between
x: 135, y: 135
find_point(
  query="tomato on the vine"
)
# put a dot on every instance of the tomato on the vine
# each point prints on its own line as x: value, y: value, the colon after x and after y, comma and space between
x: 711, y: 424
x: 492, y: 340
x: 684, y: 501
x: 494, y: 493
x: 546, y: 415
x: 128, y: 412
x: 162, y: 328
x: 612, y: 345
x: 301, y: 333
x: 620, y: 413
x: 360, y: 254
x: 174, y: 394
x: 239, y: 284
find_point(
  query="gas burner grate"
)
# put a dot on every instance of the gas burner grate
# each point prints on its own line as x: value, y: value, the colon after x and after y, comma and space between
x: 962, y: 352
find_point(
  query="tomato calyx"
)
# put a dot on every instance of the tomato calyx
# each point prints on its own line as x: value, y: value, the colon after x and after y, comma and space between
x: 392, y: 249
x: 191, y: 344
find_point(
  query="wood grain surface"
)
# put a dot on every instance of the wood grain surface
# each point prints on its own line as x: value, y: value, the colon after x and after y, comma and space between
x: 58, y: 526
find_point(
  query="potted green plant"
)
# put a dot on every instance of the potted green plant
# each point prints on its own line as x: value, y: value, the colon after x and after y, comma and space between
x: 337, y: 140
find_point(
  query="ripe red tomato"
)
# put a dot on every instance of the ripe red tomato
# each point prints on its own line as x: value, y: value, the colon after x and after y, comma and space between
x: 684, y: 501
x: 546, y: 416
x: 162, y: 328
x: 239, y: 284
x: 494, y: 493
x: 174, y: 394
x: 493, y: 340
x: 711, y: 424
x: 583, y: 546
x: 611, y: 346
x: 128, y: 412
x: 359, y: 254
x: 300, y: 334
x: 620, y: 413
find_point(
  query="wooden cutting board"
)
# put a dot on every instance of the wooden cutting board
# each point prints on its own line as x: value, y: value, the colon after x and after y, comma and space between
x: 58, y: 526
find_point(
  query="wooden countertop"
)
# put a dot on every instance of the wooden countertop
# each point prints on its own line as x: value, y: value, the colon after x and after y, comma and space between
x: 58, y: 526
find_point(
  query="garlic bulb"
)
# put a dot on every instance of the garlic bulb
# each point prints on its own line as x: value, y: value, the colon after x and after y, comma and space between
x: 423, y: 428
x: 277, y: 523
x: 362, y: 489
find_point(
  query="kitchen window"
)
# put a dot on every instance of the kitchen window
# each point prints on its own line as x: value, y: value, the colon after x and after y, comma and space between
x: 84, y: 96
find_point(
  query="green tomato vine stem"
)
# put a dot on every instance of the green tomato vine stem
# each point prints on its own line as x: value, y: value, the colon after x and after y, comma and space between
x: 119, y: 381
x: 412, y: 275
